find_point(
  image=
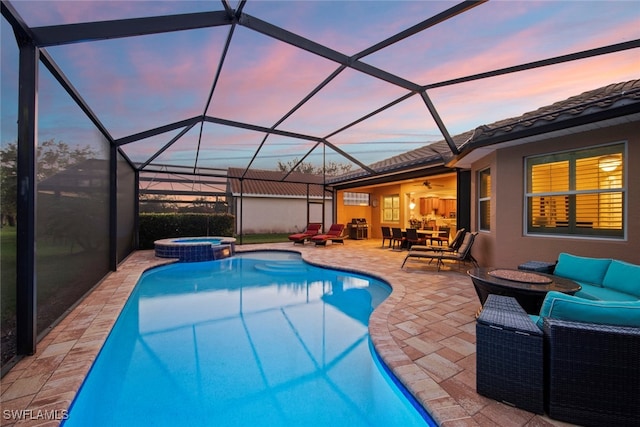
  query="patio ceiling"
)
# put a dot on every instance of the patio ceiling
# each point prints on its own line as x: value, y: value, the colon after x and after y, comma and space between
x: 207, y: 85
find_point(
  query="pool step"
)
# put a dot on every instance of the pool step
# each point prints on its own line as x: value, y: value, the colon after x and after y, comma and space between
x: 283, y: 267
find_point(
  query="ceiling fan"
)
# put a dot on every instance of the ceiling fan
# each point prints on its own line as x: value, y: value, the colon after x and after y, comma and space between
x: 429, y: 184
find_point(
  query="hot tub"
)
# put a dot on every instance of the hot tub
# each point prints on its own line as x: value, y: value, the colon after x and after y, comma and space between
x: 195, y: 249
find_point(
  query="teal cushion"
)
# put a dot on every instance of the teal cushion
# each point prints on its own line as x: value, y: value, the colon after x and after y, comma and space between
x: 567, y: 307
x: 537, y: 320
x: 582, y: 269
x: 604, y: 294
x: 624, y: 277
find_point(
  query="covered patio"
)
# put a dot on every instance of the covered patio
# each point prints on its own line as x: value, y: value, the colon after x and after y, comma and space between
x: 425, y: 332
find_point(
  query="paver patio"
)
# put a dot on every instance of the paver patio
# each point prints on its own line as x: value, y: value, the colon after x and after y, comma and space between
x: 425, y: 331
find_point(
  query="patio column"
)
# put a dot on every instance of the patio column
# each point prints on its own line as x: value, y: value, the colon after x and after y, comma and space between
x: 26, y: 297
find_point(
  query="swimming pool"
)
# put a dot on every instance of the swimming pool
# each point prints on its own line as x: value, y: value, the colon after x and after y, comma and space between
x: 195, y: 249
x: 259, y: 339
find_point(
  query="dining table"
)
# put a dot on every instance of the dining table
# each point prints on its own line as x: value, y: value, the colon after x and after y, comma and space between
x: 422, y: 233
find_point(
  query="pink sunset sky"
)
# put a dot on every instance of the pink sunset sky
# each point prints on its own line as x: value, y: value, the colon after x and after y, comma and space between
x: 140, y: 83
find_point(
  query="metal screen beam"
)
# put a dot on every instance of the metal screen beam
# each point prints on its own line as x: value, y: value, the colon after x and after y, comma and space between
x: 56, y: 35
x: 323, y: 51
x: 256, y: 128
x: 439, y: 122
x: 421, y: 26
x: 26, y: 283
x: 157, y: 131
x: 167, y: 145
x: 185, y: 181
x: 184, y: 192
x: 221, y: 62
x: 349, y: 156
x: 589, y: 53
x: 373, y: 113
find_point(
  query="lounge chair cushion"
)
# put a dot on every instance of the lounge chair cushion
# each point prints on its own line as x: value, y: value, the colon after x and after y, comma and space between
x: 582, y: 269
x: 624, y: 277
x: 312, y: 229
x: 334, y: 234
x: 561, y: 306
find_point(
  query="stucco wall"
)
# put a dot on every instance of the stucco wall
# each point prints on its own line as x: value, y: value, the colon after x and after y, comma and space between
x: 506, y: 244
x: 373, y: 214
x: 278, y: 215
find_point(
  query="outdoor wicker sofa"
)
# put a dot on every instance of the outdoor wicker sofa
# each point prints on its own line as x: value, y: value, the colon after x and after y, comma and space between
x: 579, y: 372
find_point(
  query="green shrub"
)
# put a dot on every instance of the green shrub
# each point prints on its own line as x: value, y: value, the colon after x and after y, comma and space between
x: 156, y: 226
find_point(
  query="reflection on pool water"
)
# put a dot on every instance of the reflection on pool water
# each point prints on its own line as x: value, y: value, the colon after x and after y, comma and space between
x: 259, y: 339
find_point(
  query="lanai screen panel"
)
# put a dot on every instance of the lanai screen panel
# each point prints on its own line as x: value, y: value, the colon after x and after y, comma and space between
x: 72, y: 218
x: 145, y: 149
x: 8, y: 189
x: 280, y: 52
x: 126, y: 200
x: 348, y: 27
x: 492, y: 37
x: 262, y: 79
x: 139, y: 83
x: 400, y: 128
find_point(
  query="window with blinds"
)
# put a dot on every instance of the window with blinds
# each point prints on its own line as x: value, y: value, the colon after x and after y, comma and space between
x: 484, y: 200
x: 355, y: 199
x: 391, y: 208
x: 577, y: 193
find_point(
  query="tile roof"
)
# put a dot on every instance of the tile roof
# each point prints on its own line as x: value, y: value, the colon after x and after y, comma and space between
x: 264, y: 182
x: 437, y: 153
x: 613, y: 96
x: 587, y: 103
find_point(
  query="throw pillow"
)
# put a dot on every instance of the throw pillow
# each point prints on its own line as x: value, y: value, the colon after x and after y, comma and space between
x: 624, y: 277
x: 582, y: 269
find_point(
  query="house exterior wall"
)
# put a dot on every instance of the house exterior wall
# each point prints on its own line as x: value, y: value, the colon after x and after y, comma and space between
x: 372, y: 213
x: 406, y: 191
x: 278, y: 215
x: 376, y: 222
x: 506, y: 245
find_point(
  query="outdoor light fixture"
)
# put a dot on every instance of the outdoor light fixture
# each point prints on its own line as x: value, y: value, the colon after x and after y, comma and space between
x: 412, y: 204
x: 609, y: 163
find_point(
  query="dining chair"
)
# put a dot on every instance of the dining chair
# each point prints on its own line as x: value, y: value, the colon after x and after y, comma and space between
x: 413, y: 238
x: 397, y: 237
x: 386, y: 235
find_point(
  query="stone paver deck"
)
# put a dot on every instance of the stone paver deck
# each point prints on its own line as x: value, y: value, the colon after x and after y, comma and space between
x: 425, y: 331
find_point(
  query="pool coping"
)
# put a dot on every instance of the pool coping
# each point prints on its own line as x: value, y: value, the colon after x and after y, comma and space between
x: 426, y: 337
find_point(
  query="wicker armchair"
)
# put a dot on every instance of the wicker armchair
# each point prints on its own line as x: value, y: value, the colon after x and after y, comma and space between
x: 591, y: 371
x: 509, y: 355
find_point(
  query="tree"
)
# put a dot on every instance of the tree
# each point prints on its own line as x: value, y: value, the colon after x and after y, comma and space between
x: 331, y: 168
x: 51, y: 156
x: 8, y: 183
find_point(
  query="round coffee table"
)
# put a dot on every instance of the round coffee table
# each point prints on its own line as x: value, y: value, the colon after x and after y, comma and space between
x: 528, y: 288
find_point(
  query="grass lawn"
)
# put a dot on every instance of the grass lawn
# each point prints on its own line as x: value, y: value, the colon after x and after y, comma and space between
x: 264, y: 238
x: 8, y: 270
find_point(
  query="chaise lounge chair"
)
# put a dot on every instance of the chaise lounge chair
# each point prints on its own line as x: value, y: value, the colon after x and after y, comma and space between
x: 312, y: 229
x: 334, y: 234
x: 463, y: 254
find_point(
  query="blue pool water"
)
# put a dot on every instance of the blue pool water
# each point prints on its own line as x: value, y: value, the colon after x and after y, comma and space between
x: 259, y: 339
